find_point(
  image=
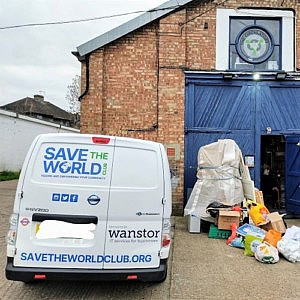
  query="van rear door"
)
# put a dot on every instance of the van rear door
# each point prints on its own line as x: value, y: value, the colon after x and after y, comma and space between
x: 67, y: 179
x: 134, y: 224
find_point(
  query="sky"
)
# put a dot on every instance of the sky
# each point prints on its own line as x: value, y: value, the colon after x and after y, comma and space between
x: 38, y: 60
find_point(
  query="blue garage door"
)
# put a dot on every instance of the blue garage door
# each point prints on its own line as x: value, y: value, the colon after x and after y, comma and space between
x: 293, y: 174
x: 242, y: 110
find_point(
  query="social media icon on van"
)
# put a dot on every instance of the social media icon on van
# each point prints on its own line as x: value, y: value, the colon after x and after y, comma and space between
x: 57, y: 197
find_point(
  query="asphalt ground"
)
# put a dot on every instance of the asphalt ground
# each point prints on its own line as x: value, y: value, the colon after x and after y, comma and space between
x: 199, y: 268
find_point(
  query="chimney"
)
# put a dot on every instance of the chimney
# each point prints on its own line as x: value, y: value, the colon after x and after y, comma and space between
x: 38, y: 97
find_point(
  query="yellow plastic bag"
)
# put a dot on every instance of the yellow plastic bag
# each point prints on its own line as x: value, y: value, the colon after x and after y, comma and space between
x: 258, y: 213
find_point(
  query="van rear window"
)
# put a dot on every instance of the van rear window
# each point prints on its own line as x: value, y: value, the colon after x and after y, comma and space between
x: 79, y: 164
x: 135, y: 168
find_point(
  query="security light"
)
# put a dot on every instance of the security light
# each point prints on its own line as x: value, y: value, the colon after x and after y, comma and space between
x: 256, y: 76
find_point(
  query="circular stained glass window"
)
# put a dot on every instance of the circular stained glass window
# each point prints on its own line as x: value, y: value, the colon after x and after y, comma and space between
x: 254, y: 44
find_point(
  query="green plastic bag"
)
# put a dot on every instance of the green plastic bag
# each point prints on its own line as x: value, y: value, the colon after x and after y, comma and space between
x: 251, y: 243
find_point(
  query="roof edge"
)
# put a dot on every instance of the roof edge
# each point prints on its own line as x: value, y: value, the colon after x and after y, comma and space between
x: 34, y: 120
x: 130, y: 26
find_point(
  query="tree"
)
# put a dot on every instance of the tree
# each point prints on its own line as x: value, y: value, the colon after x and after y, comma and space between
x: 73, y: 94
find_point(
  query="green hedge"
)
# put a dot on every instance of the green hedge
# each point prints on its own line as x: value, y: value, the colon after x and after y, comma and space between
x: 9, y: 175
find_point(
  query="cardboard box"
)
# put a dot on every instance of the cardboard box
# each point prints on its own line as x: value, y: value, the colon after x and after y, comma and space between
x: 259, y: 197
x: 227, y: 217
x: 275, y: 222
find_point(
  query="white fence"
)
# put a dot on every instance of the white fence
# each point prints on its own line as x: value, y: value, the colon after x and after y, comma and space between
x: 16, y: 135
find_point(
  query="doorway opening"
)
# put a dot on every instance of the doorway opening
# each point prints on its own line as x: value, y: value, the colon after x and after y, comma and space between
x: 273, y: 171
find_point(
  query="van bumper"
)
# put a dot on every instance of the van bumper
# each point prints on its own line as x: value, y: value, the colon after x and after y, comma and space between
x: 26, y: 274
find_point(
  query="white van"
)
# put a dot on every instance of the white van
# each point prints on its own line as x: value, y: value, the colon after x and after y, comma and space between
x: 91, y: 207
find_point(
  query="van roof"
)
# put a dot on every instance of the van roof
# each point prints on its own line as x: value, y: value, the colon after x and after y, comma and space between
x: 78, y: 136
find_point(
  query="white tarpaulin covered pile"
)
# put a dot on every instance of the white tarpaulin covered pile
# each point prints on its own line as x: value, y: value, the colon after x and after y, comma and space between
x: 219, y: 178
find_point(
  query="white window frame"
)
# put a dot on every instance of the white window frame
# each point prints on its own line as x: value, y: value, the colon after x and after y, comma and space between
x: 222, y: 34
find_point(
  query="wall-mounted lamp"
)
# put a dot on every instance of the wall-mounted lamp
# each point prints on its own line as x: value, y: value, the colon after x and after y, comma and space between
x: 205, y: 25
x: 298, y: 144
x: 256, y: 76
x: 227, y: 76
x: 280, y: 76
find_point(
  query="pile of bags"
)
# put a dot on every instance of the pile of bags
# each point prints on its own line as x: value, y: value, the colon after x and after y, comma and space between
x: 264, y: 236
x: 266, y: 245
x: 223, y: 184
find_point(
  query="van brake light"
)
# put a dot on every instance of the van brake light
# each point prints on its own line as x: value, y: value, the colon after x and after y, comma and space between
x: 12, y: 232
x: 100, y: 140
x: 132, y: 277
x: 166, y: 240
x: 39, y: 276
x: 166, y: 233
x: 11, y: 237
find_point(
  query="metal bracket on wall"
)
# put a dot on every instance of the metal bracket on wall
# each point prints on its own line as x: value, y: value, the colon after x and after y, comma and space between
x: 206, y: 130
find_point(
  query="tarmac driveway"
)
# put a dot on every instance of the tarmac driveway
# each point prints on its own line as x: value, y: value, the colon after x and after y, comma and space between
x: 199, y: 268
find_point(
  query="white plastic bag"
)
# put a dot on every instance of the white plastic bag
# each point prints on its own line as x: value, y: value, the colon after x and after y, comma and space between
x: 290, y: 249
x: 266, y: 253
x: 289, y: 245
x: 292, y: 233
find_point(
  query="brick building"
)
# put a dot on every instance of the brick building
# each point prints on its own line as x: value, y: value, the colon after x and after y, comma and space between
x: 191, y: 72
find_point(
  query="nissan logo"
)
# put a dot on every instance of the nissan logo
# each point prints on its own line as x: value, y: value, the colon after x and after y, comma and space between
x: 93, y: 199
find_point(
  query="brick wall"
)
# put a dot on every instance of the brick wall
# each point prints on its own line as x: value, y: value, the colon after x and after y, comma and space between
x: 137, y: 82
x: 130, y: 84
x: 92, y: 105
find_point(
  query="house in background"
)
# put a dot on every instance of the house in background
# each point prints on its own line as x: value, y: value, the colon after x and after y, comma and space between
x: 21, y: 121
x: 37, y: 107
x: 190, y: 72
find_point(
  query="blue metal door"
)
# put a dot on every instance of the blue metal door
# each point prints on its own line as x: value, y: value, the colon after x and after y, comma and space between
x: 240, y: 109
x: 292, y: 180
x: 217, y: 110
